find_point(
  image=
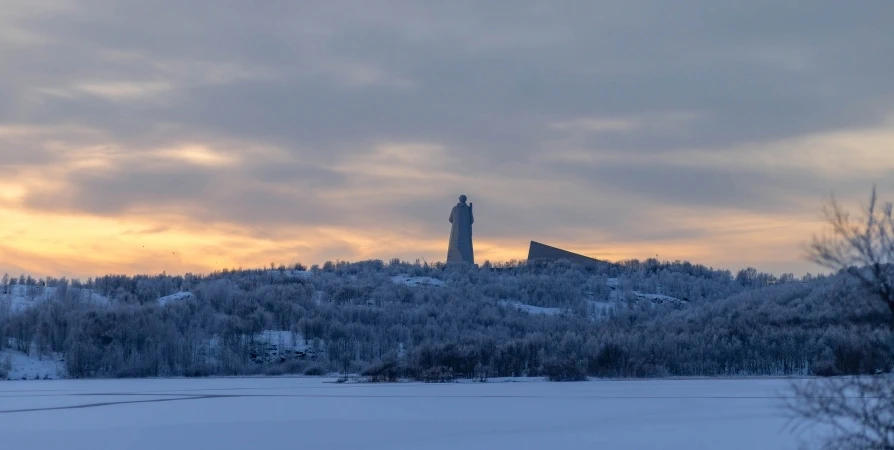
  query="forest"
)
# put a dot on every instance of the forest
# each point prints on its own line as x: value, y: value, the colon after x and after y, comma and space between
x: 394, y: 320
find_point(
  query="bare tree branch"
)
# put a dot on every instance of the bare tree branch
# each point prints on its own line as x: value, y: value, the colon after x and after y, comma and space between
x: 862, y: 247
x: 858, y: 413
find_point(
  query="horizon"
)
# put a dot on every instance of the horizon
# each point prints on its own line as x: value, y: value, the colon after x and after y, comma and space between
x: 188, y: 137
x: 276, y: 266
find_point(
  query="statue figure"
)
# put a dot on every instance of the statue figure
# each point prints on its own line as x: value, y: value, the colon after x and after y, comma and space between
x: 460, y: 249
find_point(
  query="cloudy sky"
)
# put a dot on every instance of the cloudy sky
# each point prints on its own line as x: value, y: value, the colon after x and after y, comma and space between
x: 189, y: 136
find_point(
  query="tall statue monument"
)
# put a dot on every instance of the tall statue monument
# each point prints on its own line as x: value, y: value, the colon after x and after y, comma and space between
x: 460, y: 249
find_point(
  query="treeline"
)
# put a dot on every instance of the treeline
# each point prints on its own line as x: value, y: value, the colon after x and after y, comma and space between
x: 352, y: 318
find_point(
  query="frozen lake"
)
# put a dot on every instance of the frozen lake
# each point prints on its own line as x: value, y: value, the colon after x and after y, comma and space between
x: 289, y: 413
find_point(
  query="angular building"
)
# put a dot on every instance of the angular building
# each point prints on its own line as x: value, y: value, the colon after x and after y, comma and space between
x: 541, y: 252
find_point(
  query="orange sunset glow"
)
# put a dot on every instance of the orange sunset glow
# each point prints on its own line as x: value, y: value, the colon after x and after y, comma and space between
x: 279, y: 143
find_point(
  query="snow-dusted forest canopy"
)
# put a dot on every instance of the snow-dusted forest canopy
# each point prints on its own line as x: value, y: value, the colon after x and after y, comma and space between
x: 395, y: 320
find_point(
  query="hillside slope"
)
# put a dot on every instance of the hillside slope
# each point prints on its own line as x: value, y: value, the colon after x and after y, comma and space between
x: 633, y: 319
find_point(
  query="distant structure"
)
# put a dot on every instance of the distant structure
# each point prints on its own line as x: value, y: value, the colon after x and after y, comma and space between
x: 460, y: 248
x: 542, y: 252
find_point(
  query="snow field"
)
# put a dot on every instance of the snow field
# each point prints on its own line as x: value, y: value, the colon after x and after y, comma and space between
x: 273, y: 413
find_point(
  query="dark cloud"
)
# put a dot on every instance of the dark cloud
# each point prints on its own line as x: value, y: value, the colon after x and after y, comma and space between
x: 259, y: 208
x: 301, y: 176
x: 489, y: 73
x: 206, y: 194
x: 112, y: 193
x: 323, y: 83
x: 708, y: 187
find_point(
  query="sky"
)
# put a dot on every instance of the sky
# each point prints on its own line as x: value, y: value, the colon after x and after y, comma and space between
x: 141, y: 137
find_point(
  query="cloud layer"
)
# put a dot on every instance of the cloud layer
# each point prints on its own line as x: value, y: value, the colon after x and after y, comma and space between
x: 191, y: 136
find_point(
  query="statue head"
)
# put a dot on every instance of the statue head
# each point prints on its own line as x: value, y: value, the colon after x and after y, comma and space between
x: 463, y: 198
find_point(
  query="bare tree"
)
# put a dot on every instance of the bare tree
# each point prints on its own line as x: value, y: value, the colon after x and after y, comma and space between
x: 863, y: 247
x: 858, y: 412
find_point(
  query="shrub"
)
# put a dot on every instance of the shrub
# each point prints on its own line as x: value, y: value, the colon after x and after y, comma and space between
x: 437, y: 374
x: 198, y: 370
x: 611, y: 361
x: 387, y: 372
x: 825, y: 368
x: 293, y: 366
x: 564, y: 369
x: 315, y: 371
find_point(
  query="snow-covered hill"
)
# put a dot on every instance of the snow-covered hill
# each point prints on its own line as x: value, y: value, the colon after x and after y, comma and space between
x: 22, y: 297
x: 431, y: 322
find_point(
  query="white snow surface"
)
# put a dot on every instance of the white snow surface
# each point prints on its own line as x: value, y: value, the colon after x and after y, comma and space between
x: 617, y: 294
x: 273, y: 343
x: 180, y: 296
x: 417, y: 281
x: 284, y: 340
x: 21, y: 297
x: 279, y: 413
x: 657, y: 298
x: 531, y: 309
x: 31, y: 367
x: 602, y: 309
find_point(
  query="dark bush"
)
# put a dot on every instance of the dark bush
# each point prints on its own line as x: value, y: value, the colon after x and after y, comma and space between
x: 611, y: 361
x: 315, y: 371
x: 825, y: 368
x: 564, y: 369
x: 293, y: 366
x: 437, y: 374
x: 384, y: 372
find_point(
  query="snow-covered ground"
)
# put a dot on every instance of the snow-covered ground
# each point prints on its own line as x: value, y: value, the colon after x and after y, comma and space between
x: 180, y: 296
x: 618, y: 293
x: 601, y: 309
x: 274, y: 413
x: 417, y: 281
x: 657, y: 298
x: 531, y: 309
x: 283, y: 339
x: 21, y: 297
x: 21, y: 365
x: 281, y: 343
